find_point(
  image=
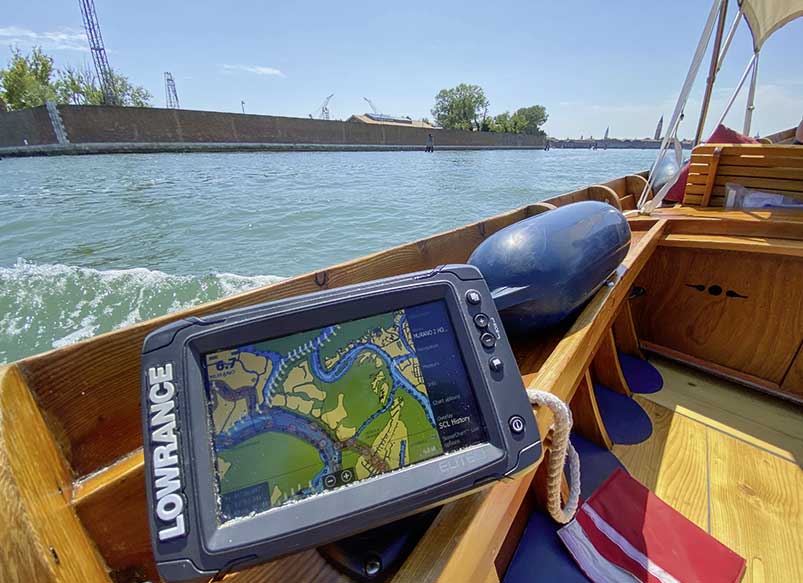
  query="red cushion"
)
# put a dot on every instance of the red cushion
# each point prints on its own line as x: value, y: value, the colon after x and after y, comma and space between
x: 721, y: 135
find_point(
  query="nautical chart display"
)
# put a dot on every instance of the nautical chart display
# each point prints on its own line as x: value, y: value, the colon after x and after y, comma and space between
x: 318, y: 410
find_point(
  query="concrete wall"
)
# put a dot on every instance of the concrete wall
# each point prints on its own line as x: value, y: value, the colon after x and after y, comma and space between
x: 90, y: 124
x: 29, y: 124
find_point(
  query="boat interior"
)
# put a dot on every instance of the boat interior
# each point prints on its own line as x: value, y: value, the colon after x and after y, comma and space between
x: 685, y: 369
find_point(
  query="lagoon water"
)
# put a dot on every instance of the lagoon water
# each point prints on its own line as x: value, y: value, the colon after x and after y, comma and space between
x: 92, y: 243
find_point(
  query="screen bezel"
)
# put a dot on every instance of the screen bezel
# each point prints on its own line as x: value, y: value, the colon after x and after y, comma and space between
x: 332, y: 505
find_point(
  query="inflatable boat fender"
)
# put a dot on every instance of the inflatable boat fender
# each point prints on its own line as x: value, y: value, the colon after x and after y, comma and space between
x: 542, y: 269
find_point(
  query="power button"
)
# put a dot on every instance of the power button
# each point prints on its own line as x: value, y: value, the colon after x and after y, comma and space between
x: 516, y: 424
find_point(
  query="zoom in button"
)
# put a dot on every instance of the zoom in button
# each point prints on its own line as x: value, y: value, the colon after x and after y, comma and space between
x: 481, y: 320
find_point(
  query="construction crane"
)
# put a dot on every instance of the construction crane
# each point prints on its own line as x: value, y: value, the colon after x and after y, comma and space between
x: 373, y: 107
x: 323, y: 111
x: 171, y: 97
x: 102, y: 68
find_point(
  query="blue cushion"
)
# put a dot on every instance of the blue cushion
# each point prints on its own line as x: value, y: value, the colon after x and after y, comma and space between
x: 641, y: 376
x: 627, y: 423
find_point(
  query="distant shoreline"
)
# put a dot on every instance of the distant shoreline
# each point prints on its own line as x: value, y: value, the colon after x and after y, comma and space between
x: 611, y: 144
x: 184, y: 148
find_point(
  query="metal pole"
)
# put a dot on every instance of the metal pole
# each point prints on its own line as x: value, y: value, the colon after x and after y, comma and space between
x: 677, y: 114
x: 712, y: 71
x: 726, y: 45
x: 750, y: 65
x: 751, y: 99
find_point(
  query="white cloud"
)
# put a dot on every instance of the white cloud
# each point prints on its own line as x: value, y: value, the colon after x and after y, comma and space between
x: 71, y: 39
x: 255, y: 69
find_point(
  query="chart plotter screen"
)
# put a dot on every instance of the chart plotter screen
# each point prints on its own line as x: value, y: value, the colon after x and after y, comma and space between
x: 295, y: 416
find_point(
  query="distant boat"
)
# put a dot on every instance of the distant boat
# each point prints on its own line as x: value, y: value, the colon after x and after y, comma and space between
x: 659, y: 129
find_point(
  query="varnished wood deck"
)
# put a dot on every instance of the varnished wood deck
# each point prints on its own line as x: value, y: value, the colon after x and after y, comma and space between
x: 729, y: 459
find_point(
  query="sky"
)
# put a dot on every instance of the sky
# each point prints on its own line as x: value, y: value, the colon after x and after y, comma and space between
x: 593, y: 65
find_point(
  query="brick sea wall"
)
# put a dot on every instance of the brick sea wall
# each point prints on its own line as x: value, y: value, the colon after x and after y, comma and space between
x: 99, y: 124
x: 32, y: 125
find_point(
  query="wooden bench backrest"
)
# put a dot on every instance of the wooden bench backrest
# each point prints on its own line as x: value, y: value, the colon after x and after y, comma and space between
x: 766, y: 167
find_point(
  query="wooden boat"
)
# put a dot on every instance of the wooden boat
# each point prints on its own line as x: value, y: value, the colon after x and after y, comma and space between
x: 71, y: 474
x: 719, y: 310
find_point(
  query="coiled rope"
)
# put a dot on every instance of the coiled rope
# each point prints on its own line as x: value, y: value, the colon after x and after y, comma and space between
x: 560, y: 448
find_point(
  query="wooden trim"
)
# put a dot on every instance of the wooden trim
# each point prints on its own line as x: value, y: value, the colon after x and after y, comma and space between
x: 771, y: 228
x: 466, y: 536
x: 769, y: 216
x: 712, y: 174
x: 793, y: 378
x: 605, y: 366
x: 635, y: 186
x: 604, y: 193
x: 585, y: 412
x: 767, y: 245
x: 782, y: 135
x: 745, y: 160
x: 750, y: 149
x: 514, y: 533
x: 628, y: 202
x: 41, y: 537
x: 624, y: 332
x: 721, y: 371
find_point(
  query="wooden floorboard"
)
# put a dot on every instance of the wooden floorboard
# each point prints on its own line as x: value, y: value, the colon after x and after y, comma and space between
x: 672, y: 462
x: 761, y: 420
x: 727, y: 459
x: 757, y: 508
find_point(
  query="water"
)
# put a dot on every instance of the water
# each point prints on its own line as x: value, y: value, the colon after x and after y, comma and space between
x: 92, y: 243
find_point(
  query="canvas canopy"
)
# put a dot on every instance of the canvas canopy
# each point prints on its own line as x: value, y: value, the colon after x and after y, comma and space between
x: 767, y: 16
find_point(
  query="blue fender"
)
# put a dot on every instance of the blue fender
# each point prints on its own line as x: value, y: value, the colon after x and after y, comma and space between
x: 543, y: 269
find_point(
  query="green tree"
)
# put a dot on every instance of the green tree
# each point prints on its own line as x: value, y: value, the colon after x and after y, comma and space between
x: 530, y: 120
x: 504, y: 122
x: 77, y: 87
x: 526, y: 120
x: 128, y: 94
x: 26, y: 81
x: 464, y: 107
x: 80, y: 88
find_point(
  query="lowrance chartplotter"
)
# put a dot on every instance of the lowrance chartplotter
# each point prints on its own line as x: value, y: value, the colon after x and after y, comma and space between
x: 294, y: 423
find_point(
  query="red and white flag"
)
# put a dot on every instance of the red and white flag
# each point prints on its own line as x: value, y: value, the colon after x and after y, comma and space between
x: 625, y: 533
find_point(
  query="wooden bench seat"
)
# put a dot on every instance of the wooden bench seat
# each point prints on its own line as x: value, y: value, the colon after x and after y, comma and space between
x: 767, y: 167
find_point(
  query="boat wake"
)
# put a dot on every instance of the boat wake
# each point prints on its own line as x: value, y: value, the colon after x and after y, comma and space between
x: 45, y: 306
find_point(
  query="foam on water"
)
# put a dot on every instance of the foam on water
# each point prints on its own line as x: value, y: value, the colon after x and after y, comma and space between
x: 86, y: 223
x: 49, y: 306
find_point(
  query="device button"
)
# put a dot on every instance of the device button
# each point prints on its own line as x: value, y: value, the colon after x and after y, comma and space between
x: 495, y: 364
x: 481, y: 320
x: 516, y: 424
x: 473, y: 297
x: 488, y: 340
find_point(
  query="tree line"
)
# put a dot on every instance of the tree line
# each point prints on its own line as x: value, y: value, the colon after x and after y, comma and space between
x: 31, y: 79
x: 465, y: 107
